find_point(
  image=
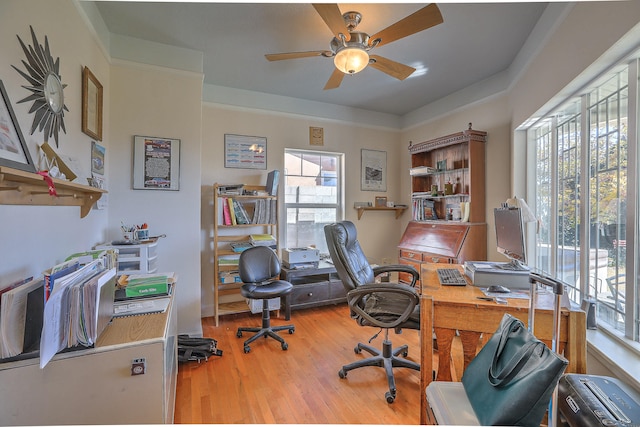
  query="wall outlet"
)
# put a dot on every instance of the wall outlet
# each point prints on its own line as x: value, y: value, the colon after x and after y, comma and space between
x: 139, y: 366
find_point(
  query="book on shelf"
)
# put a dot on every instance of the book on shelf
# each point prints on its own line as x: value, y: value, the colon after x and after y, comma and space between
x: 21, y: 308
x: 229, y: 260
x: 240, y: 246
x: 272, y: 182
x: 262, y: 240
x: 241, y: 213
x: 232, y: 213
x: 141, y: 306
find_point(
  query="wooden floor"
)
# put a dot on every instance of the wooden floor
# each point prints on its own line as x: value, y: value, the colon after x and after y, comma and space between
x: 299, y: 385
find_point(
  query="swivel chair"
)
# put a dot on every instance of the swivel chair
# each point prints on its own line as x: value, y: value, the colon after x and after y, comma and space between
x: 381, y: 305
x: 259, y: 268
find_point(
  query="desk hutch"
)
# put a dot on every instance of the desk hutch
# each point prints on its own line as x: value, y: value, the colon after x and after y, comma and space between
x: 445, y: 173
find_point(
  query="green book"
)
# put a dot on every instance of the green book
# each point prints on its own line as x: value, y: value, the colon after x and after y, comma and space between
x: 147, y: 285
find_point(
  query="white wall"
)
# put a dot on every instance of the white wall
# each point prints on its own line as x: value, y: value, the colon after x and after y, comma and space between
x: 34, y: 238
x: 159, y: 102
x: 282, y: 131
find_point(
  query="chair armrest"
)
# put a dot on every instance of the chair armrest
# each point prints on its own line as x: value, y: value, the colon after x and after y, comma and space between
x: 400, y: 268
x: 355, y: 299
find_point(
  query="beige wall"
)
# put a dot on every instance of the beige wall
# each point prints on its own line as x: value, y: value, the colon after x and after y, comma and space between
x: 378, y: 231
x: 160, y: 102
x: 34, y: 238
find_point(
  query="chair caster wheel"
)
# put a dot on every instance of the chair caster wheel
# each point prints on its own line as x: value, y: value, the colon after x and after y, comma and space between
x: 342, y: 373
x: 247, y: 349
x: 390, y: 397
x: 291, y: 331
x: 239, y: 334
x: 405, y: 353
x: 284, y: 346
x: 357, y: 350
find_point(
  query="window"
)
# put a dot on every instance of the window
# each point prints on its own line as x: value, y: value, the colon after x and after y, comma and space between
x: 313, y: 196
x: 582, y: 166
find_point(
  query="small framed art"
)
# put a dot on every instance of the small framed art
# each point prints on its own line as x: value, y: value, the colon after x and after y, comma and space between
x: 91, y: 105
x: 245, y: 152
x: 13, y: 149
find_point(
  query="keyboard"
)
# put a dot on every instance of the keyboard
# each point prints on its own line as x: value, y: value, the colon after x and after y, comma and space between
x: 451, y: 277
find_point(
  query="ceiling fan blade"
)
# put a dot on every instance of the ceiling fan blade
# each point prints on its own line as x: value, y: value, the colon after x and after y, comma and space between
x: 331, y: 15
x: 394, y: 69
x: 335, y: 80
x: 424, y: 18
x: 293, y: 55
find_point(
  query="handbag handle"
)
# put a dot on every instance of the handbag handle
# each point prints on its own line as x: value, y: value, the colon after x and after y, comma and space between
x: 515, y: 364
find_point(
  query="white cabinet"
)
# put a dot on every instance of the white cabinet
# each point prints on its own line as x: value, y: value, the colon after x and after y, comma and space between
x: 96, y: 386
x: 136, y: 259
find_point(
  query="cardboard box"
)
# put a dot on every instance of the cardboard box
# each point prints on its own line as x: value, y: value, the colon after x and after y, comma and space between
x: 230, y: 277
x: 256, y: 304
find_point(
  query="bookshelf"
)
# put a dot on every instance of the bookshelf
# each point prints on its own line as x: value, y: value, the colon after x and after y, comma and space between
x: 25, y: 188
x: 262, y: 216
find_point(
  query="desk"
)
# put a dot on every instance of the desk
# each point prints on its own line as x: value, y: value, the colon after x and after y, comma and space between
x: 445, y: 309
x: 96, y: 385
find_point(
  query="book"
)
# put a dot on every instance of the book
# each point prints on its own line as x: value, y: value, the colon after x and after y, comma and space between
x: 272, y: 182
x: 241, y: 214
x: 151, y: 284
x: 56, y: 272
x: 226, y: 213
x: 141, y: 307
x: 232, y: 212
x: 21, y: 317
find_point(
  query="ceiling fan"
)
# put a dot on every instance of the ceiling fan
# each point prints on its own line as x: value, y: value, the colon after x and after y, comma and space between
x: 350, y: 48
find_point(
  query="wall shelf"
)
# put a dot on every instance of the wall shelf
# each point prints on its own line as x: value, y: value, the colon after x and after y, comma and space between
x: 25, y: 188
x: 398, y: 209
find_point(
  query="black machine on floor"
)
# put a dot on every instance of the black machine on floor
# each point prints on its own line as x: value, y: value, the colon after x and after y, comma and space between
x: 593, y: 400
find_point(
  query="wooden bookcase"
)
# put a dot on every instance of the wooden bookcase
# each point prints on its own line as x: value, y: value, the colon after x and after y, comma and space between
x: 459, y: 160
x: 226, y: 296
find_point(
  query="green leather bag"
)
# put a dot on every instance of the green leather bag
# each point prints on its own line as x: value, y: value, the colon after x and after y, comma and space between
x: 512, y: 378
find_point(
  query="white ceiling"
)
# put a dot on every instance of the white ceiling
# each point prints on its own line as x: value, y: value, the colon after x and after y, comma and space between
x: 475, y: 42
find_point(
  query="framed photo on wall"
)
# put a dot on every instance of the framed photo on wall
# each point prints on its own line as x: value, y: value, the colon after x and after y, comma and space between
x: 156, y: 163
x: 373, y: 173
x: 91, y: 105
x: 245, y: 152
x: 13, y: 149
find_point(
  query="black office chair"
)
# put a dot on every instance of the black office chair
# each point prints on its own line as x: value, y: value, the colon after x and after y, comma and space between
x: 383, y: 305
x: 259, y: 268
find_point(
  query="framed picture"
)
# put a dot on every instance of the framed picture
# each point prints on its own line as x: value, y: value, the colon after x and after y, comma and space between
x: 156, y: 163
x: 97, y: 158
x: 245, y: 152
x: 373, y: 173
x: 91, y: 105
x: 13, y: 149
x: 381, y: 202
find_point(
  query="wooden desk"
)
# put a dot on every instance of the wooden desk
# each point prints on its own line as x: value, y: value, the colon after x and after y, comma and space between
x: 445, y: 309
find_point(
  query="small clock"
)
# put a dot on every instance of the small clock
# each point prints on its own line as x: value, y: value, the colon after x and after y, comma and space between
x: 46, y: 87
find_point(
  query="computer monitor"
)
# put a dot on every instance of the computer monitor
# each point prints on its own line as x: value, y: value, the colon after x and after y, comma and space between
x: 510, y: 237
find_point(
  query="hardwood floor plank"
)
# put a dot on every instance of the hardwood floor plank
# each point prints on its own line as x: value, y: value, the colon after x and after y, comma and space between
x: 300, y: 385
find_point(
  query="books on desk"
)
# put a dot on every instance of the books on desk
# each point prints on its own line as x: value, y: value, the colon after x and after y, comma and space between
x: 21, y: 306
x: 485, y: 274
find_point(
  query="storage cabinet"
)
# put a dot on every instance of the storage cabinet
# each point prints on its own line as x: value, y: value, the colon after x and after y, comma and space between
x: 262, y: 214
x: 96, y: 386
x: 140, y: 258
x: 313, y: 287
x: 447, y: 179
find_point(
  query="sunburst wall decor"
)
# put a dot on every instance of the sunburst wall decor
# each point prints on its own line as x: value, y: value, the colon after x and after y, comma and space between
x: 45, y: 85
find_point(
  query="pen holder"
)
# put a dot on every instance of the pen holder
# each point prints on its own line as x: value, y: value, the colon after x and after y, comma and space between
x: 129, y: 235
x: 142, y: 234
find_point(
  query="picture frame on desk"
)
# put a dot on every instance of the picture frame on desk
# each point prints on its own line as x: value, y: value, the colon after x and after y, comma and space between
x: 13, y: 148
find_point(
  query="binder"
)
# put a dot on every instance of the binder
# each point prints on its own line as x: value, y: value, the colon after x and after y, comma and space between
x: 272, y: 182
x: 61, y: 270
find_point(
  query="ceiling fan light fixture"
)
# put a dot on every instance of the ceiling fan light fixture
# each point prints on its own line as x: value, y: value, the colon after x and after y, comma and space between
x: 351, y: 60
